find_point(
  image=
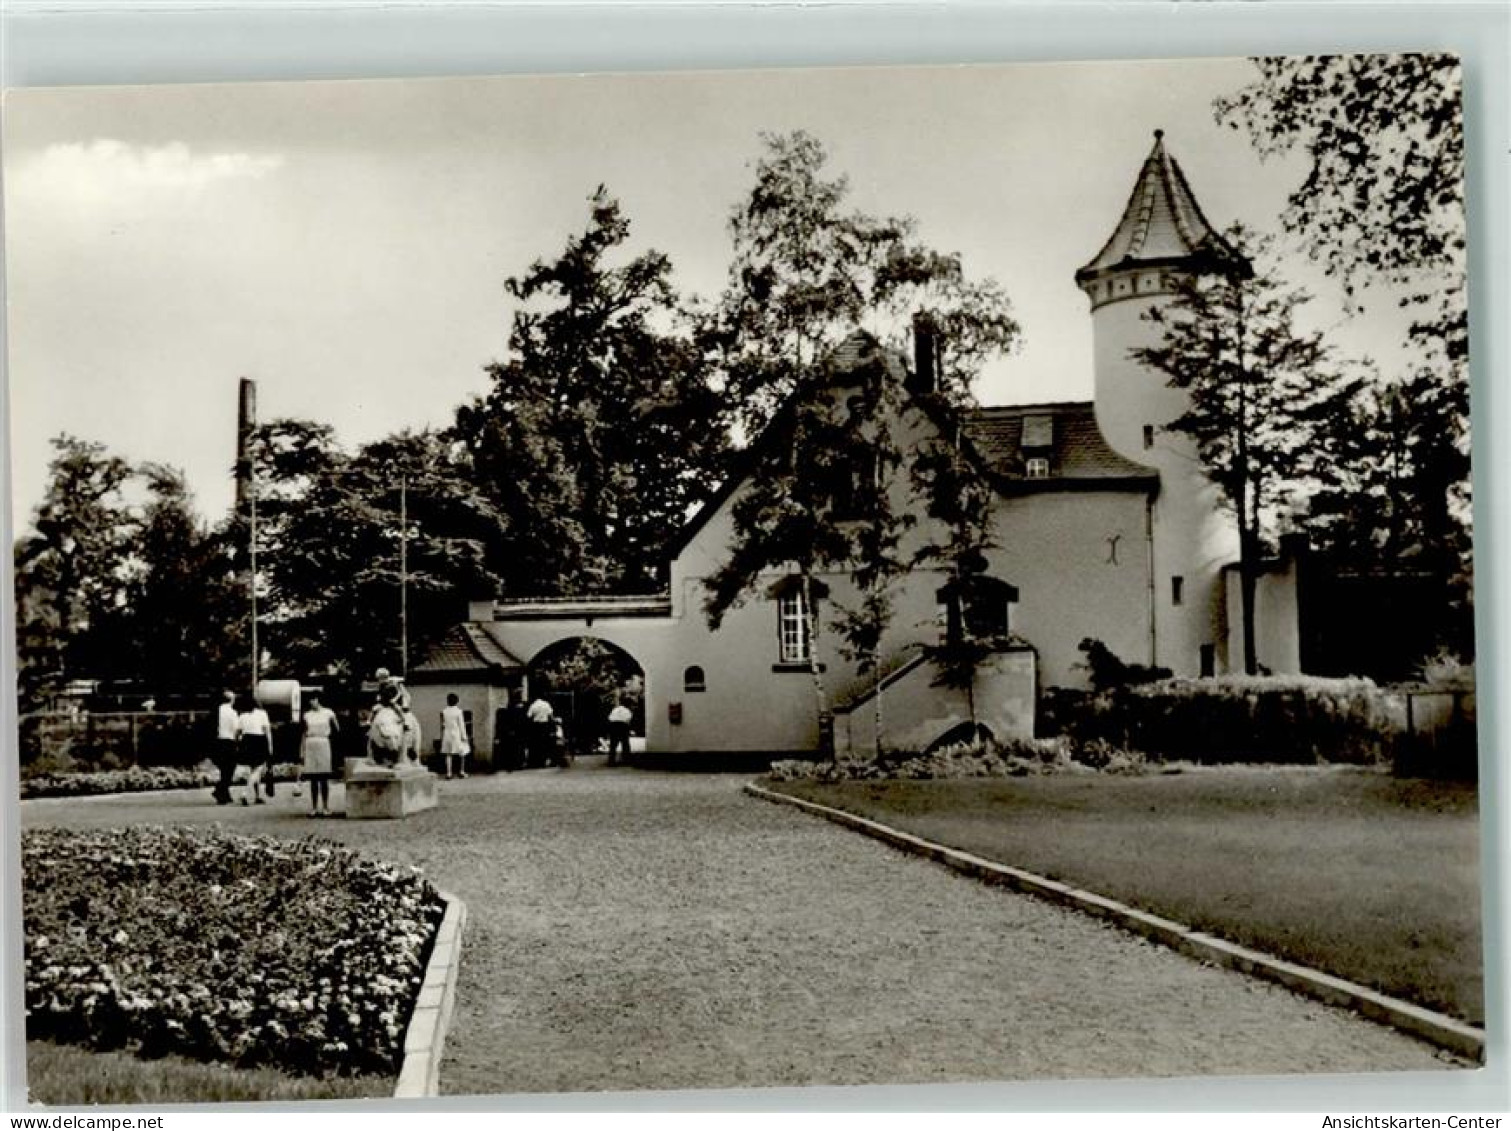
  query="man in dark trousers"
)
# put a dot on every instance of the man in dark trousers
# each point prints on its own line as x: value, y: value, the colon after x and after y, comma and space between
x: 225, y: 747
x: 619, y: 733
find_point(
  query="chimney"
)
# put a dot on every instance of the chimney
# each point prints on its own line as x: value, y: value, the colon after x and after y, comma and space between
x: 246, y: 422
x: 925, y: 378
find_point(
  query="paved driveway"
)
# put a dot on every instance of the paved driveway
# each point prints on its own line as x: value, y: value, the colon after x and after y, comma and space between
x: 633, y: 930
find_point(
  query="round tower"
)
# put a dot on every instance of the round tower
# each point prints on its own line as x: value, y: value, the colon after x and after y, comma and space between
x: 1163, y: 235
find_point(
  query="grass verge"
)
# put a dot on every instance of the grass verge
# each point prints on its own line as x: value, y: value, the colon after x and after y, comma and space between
x: 1354, y: 872
x: 66, y: 1075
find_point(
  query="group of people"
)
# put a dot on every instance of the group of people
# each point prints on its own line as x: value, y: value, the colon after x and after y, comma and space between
x: 245, y: 739
x: 532, y: 734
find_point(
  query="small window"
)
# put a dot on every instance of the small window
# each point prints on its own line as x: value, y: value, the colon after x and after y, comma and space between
x: 1038, y: 468
x: 1208, y: 661
x: 792, y: 627
x: 1177, y: 590
x: 1148, y: 435
x: 692, y: 679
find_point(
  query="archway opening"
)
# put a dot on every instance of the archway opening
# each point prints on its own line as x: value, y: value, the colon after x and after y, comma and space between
x: 584, y: 678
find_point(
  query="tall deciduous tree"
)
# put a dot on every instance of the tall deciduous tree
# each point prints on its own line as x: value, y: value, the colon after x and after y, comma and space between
x: 958, y: 502
x: 70, y: 571
x: 1261, y: 391
x: 185, y: 604
x: 808, y: 272
x: 358, y: 551
x: 1383, y: 203
x: 601, y: 431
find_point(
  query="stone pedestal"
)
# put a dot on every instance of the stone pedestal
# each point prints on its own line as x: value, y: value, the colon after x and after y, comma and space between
x: 387, y: 791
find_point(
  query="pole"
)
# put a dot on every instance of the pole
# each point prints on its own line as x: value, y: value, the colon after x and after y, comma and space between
x: 404, y: 575
x: 252, y: 574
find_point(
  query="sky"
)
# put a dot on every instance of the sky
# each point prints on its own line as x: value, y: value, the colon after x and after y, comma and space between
x: 345, y: 244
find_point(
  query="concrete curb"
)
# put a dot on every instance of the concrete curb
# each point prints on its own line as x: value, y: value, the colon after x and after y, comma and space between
x: 425, y: 1039
x: 1437, y: 1028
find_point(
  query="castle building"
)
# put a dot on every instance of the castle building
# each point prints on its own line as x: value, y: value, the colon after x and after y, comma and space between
x: 1104, y: 528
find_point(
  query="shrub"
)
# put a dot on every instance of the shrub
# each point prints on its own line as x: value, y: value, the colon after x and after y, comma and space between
x: 1105, y: 670
x: 253, y: 951
x: 1286, y: 719
x: 982, y: 759
x: 133, y: 779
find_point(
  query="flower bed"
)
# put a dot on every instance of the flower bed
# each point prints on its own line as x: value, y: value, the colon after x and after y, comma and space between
x: 137, y: 779
x: 989, y: 759
x: 248, y: 950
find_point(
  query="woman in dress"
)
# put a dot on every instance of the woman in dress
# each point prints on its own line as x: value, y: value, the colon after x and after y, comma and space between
x: 454, y: 746
x: 320, y: 727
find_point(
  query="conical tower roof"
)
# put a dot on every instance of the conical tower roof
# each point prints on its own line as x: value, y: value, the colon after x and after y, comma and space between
x: 1162, y: 225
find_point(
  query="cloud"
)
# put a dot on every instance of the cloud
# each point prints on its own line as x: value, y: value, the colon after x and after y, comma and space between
x: 105, y: 170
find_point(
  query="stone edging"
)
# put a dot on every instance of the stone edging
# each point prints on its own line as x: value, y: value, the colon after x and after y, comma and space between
x: 425, y: 1038
x: 1441, y: 1030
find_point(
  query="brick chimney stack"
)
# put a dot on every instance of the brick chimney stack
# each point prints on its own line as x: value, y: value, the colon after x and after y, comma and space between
x: 925, y: 377
x: 246, y: 422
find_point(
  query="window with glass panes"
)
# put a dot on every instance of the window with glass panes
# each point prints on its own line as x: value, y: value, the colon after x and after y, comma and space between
x: 792, y: 627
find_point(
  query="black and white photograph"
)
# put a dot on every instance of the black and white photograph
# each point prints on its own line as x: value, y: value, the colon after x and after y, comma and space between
x: 762, y: 579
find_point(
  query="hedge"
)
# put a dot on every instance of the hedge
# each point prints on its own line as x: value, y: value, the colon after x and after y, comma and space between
x: 1271, y: 719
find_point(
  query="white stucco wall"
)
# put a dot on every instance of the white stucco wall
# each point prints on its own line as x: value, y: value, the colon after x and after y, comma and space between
x: 427, y: 699
x: 1194, y: 536
x: 1277, y: 625
x: 916, y: 713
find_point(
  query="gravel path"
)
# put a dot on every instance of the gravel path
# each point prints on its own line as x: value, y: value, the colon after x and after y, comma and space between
x: 633, y: 930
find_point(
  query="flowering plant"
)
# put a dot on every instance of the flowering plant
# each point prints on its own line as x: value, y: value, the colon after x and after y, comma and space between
x: 300, y: 955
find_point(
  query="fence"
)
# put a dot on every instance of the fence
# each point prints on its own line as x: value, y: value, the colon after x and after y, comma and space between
x: 95, y: 739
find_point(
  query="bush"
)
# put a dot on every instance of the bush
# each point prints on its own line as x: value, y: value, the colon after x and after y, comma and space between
x: 982, y: 759
x: 133, y: 779
x: 251, y: 951
x: 1105, y: 670
x: 1274, y: 719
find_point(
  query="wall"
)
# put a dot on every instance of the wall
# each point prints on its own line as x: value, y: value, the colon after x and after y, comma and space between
x: 916, y: 713
x: 1277, y: 626
x: 426, y: 700
x: 1058, y: 549
x: 1194, y: 536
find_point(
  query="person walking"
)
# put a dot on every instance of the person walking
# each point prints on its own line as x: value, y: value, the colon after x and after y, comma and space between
x: 619, y: 733
x: 320, y: 726
x: 542, y: 723
x: 454, y: 745
x: 225, y: 747
x: 254, y: 746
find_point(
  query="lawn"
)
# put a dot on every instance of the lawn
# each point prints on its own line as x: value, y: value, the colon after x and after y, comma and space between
x: 66, y: 1075
x: 1351, y: 871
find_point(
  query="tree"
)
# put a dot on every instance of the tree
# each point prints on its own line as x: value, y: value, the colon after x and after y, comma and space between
x: 1383, y: 204
x: 1260, y: 392
x: 789, y: 516
x: 185, y: 605
x: 806, y: 276
x: 334, y: 531
x: 70, y: 577
x: 807, y: 272
x: 958, y: 501
x: 601, y: 431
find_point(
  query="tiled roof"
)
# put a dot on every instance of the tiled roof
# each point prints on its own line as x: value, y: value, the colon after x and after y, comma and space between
x: 467, y: 648
x: 1077, y: 449
x: 1162, y: 223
